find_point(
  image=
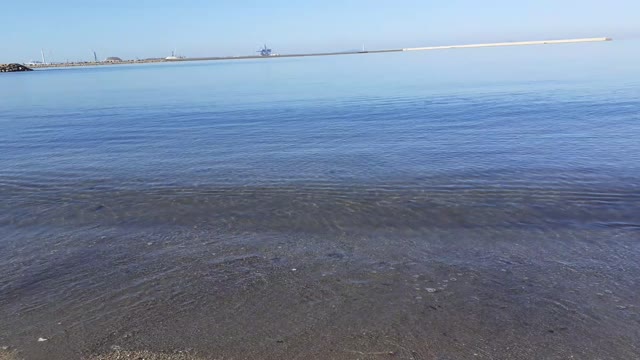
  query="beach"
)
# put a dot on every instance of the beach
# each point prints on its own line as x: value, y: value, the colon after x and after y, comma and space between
x: 531, y: 296
x: 402, y: 206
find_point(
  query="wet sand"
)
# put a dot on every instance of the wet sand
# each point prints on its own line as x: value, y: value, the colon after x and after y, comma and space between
x: 441, y: 293
x: 7, y: 355
x: 339, y: 273
x: 120, y: 355
x: 143, y: 355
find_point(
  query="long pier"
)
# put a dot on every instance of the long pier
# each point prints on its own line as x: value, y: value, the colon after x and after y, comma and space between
x: 430, y: 48
x: 518, y: 43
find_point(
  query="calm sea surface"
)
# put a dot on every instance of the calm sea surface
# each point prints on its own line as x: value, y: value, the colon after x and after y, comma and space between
x: 433, y: 205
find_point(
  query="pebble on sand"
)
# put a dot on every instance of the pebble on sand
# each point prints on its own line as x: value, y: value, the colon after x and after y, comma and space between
x: 144, y: 355
x: 42, y: 339
x: 431, y: 290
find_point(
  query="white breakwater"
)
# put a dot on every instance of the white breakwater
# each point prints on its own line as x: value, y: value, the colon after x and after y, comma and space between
x: 518, y: 43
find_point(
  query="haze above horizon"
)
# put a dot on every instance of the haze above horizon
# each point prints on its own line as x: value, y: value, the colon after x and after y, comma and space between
x: 70, y: 30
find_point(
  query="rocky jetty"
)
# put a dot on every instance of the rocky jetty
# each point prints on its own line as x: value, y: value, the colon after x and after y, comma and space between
x: 13, y: 68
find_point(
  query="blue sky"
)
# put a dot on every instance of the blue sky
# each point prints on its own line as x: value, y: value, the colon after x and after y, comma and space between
x: 70, y: 29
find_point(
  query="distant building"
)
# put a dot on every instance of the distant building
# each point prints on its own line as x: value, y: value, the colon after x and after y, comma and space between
x: 174, y: 56
x: 113, y: 59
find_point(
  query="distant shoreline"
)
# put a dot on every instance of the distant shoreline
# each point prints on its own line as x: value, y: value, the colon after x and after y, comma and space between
x: 213, y: 58
x: 256, y: 57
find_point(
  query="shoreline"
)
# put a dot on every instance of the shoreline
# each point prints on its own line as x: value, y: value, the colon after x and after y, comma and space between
x: 391, y: 207
x: 450, y: 292
x: 257, y: 57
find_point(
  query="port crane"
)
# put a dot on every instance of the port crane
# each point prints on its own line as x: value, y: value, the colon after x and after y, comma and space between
x: 265, y: 51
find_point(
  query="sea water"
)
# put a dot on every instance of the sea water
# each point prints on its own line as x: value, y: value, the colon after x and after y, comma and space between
x: 314, y: 206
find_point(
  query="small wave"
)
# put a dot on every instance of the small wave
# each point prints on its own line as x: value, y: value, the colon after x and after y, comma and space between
x: 319, y: 207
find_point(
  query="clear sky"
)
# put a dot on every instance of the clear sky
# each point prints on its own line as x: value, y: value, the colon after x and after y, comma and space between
x: 70, y: 29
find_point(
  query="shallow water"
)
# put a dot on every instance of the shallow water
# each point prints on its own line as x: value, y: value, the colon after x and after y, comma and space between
x: 478, y: 204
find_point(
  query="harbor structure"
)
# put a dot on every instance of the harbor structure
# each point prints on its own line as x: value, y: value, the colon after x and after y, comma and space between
x: 516, y: 43
x: 174, y: 56
x: 267, y: 53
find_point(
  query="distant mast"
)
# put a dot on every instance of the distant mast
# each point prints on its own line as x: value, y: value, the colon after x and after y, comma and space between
x: 95, y: 57
x: 44, y: 61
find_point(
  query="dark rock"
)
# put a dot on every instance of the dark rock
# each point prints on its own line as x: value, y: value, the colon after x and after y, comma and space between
x: 13, y: 68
